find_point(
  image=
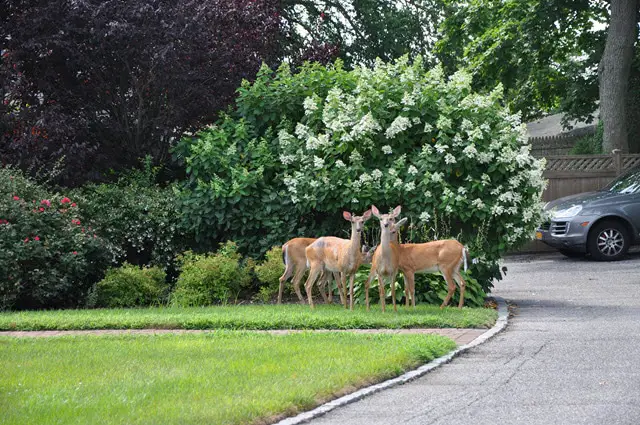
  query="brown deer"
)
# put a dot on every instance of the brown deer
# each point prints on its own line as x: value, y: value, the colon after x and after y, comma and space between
x: 332, y: 254
x: 295, y: 261
x: 446, y: 256
x: 386, y: 258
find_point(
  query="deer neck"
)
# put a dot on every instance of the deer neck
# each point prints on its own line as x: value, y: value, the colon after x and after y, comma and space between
x: 385, y: 242
x: 354, y: 243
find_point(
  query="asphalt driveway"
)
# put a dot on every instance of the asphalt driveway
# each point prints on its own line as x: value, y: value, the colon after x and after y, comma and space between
x: 570, y: 355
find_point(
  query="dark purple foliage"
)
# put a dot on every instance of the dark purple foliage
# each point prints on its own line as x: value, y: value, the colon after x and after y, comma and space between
x: 103, y: 83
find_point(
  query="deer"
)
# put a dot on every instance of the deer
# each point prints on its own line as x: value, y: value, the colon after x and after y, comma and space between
x: 333, y: 254
x: 295, y: 261
x: 445, y: 256
x: 386, y: 258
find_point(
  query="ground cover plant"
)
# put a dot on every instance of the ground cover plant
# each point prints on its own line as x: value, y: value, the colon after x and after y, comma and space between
x: 224, y: 377
x: 293, y: 316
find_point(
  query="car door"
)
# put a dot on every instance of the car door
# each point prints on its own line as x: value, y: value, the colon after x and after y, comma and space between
x: 632, y: 211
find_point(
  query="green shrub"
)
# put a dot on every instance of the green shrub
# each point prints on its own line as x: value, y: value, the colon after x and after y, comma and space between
x: 131, y: 286
x: 591, y: 144
x: 210, y: 279
x: 268, y: 273
x: 49, y: 257
x: 299, y: 148
x: 140, y: 219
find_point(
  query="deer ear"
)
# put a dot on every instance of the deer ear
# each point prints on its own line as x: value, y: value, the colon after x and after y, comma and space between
x: 375, y: 211
x: 401, y: 223
x: 346, y: 215
x: 366, y: 215
x: 396, y: 211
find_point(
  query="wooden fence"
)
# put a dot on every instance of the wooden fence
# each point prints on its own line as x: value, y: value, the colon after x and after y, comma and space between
x: 559, y: 144
x: 571, y: 174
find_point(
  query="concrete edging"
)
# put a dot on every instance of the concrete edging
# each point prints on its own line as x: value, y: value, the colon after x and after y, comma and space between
x: 501, y: 323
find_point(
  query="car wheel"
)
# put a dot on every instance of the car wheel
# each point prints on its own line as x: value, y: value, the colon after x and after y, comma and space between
x: 571, y: 254
x: 608, y: 241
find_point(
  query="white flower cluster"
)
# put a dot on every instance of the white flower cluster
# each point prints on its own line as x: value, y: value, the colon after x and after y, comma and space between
x: 398, y: 125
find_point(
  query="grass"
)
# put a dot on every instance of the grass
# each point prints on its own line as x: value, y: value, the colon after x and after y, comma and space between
x: 251, y: 317
x: 225, y: 377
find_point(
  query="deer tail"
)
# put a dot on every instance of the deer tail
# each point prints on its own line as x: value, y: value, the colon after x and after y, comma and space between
x: 465, y: 253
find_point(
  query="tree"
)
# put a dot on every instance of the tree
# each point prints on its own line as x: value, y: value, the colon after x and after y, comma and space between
x: 359, y: 31
x: 614, y: 71
x: 544, y: 52
x: 102, y: 83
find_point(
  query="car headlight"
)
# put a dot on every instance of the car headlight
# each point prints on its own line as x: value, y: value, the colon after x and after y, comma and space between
x: 567, y: 212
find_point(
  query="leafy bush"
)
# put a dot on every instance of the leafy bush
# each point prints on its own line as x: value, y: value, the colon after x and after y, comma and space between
x: 138, y: 217
x: 131, y: 286
x: 48, y: 256
x: 209, y: 279
x: 591, y: 144
x: 268, y: 273
x: 302, y: 147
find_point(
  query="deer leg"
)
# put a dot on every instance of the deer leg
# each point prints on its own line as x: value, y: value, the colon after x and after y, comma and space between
x: 381, y: 291
x: 462, y: 284
x: 351, y: 279
x: 408, y: 288
x: 313, y: 275
x: 343, y: 284
x: 297, y: 278
x: 336, y: 277
x: 393, y: 291
x: 322, y: 286
x: 288, y: 271
x: 451, y: 287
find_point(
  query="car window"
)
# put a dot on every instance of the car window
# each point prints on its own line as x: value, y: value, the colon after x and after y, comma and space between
x: 627, y: 183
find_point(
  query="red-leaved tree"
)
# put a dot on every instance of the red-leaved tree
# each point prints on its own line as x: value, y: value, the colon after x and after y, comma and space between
x: 101, y: 83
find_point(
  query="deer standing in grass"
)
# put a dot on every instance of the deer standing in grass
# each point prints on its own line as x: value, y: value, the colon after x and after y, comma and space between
x: 332, y: 254
x: 295, y: 261
x: 446, y: 256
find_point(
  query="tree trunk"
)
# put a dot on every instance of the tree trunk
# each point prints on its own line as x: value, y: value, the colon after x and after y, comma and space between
x: 613, y: 74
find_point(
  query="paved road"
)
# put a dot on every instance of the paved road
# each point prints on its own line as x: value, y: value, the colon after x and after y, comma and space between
x: 570, y: 355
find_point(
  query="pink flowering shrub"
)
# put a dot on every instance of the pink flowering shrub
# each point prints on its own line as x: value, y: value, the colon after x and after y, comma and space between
x: 48, y: 259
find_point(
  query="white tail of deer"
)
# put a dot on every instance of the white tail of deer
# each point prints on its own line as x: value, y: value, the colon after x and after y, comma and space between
x: 334, y: 254
x: 295, y: 262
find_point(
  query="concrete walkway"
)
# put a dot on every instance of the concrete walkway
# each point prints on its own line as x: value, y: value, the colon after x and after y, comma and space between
x: 460, y: 336
x: 570, y: 355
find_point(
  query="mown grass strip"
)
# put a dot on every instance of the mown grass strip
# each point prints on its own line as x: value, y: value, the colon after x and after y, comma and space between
x: 251, y: 317
x: 227, y: 377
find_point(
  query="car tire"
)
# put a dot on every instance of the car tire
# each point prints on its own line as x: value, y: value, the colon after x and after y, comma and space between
x: 608, y: 241
x: 571, y: 254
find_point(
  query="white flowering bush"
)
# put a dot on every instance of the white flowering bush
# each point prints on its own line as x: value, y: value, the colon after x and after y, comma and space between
x: 392, y: 135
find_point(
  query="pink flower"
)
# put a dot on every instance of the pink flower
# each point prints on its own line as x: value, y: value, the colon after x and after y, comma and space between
x: 26, y: 240
x: 36, y: 238
x: 45, y: 202
x: 73, y: 204
x: 41, y: 209
x: 75, y: 252
x: 15, y: 198
x: 65, y: 200
x: 3, y: 221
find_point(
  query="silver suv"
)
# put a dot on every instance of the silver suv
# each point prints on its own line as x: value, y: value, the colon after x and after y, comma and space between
x: 603, y: 224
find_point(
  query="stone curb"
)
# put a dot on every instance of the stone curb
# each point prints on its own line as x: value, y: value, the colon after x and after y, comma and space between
x: 501, y: 323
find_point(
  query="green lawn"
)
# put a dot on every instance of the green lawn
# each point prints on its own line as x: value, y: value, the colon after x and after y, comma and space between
x: 225, y: 377
x: 250, y: 317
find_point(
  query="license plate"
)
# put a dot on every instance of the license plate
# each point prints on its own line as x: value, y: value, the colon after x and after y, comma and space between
x: 539, y: 235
